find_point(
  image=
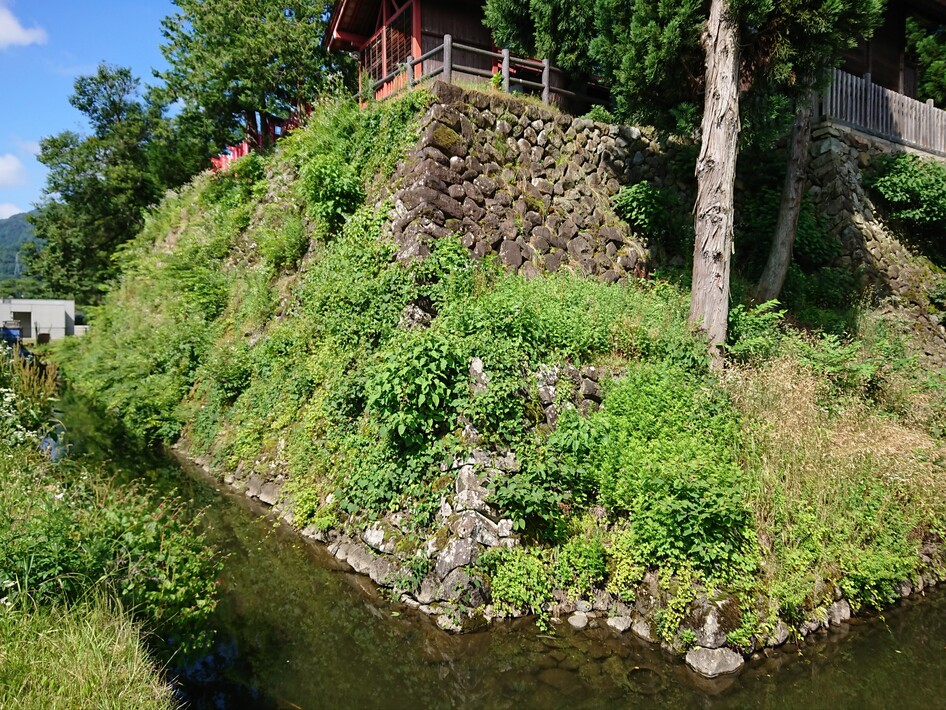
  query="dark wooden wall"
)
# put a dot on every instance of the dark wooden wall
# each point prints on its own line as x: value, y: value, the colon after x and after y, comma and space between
x: 884, y: 57
x: 464, y: 22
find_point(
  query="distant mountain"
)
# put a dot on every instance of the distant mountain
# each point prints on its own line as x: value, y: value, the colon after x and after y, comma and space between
x: 15, y: 231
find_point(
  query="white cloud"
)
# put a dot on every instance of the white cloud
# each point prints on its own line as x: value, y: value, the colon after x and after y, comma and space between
x: 8, y: 210
x: 11, y: 171
x: 13, y: 34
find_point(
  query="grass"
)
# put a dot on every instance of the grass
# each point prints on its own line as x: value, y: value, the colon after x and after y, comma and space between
x: 87, y: 655
x: 838, y: 488
x: 815, y: 464
x: 85, y: 564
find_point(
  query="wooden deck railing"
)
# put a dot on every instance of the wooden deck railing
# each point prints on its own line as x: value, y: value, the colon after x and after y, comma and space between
x: 439, y: 61
x: 859, y: 103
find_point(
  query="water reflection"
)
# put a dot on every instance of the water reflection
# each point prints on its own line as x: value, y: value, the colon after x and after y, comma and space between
x: 297, y: 631
x: 313, y: 636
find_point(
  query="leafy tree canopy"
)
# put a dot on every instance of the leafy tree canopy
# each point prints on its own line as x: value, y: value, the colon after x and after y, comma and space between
x: 98, y: 185
x: 558, y: 29
x: 232, y: 59
x: 927, y: 44
x: 650, y: 51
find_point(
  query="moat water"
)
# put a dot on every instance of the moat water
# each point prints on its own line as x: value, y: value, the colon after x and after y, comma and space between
x: 296, y: 630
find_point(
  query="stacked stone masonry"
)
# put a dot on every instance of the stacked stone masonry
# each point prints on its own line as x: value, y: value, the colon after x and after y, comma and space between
x: 533, y: 187
x: 838, y: 158
x: 515, y: 179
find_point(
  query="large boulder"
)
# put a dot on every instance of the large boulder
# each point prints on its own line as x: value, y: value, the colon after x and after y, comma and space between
x: 713, y: 662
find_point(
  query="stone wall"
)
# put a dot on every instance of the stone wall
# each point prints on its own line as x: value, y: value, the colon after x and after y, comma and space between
x: 521, y: 181
x: 534, y: 187
x: 839, y: 157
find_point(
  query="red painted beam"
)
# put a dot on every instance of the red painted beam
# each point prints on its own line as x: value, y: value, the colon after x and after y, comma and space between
x: 416, y: 30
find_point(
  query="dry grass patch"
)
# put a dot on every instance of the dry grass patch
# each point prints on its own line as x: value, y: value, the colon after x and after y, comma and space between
x: 841, y: 494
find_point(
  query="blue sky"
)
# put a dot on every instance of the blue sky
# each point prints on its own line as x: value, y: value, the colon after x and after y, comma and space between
x: 44, y: 46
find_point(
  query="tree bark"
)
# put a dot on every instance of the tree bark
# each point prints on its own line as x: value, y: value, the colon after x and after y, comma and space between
x: 715, y: 178
x: 780, y: 256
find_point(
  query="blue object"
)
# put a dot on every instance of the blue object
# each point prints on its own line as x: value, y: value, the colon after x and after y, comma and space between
x: 10, y: 331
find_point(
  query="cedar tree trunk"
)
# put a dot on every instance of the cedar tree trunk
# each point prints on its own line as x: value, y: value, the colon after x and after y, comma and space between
x: 780, y: 256
x: 715, y: 179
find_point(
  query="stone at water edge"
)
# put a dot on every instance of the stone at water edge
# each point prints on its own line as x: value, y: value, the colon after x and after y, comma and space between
x: 642, y: 629
x: 713, y: 662
x: 578, y: 620
x: 619, y: 623
x: 839, y: 612
x: 779, y: 634
x: 458, y: 552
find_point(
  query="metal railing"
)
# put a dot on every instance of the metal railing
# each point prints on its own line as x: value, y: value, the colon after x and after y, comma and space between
x: 859, y: 103
x: 511, y: 70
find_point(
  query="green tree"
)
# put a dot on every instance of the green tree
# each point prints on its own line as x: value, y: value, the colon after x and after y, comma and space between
x: 927, y: 45
x: 666, y: 58
x: 651, y: 55
x: 815, y: 35
x: 559, y: 30
x: 98, y: 185
x: 243, y: 63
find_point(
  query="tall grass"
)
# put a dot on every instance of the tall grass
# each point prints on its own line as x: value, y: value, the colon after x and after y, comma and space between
x: 88, y: 655
x: 842, y: 494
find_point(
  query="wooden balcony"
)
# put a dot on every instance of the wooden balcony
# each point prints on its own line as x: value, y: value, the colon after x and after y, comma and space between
x: 453, y: 61
x: 860, y: 104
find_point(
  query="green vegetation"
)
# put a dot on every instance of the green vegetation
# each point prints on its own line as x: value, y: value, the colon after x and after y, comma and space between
x: 99, y: 184
x: 263, y: 318
x: 912, y: 191
x: 80, y: 557
x: 926, y: 44
x: 15, y: 231
x: 239, y: 65
x: 818, y: 293
x: 86, y: 656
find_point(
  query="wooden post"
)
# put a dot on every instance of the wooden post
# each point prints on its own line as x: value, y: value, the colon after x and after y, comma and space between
x: 410, y: 71
x: 448, y: 58
x: 546, y: 79
x: 385, y: 69
x: 506, y: 69
x: 864, y: 103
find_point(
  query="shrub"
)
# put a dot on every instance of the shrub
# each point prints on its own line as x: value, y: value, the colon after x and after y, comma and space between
x: 416, y: 388
x: 656, y: 213
x: 233, y: 187
x: 599, y: 113
x: 580, y: 565
x: 63, y: 532
x: 284, y: 246
x: 754, y: 333
x: 333, y: 188
x: 667, y: 462
x: 913, y: 188
x: 519, y: 580
x: 840, y: 362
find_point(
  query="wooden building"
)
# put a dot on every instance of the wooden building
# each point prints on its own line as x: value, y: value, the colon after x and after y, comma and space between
x: 385, y: 33
x: 885, y: 58
x: 875, y: 90
x: 400, y: 42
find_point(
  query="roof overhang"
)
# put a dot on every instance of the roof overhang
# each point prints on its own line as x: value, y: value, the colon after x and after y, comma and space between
x: 351, y: 24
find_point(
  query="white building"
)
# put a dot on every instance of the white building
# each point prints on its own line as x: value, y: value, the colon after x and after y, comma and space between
x: 40, y: 317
